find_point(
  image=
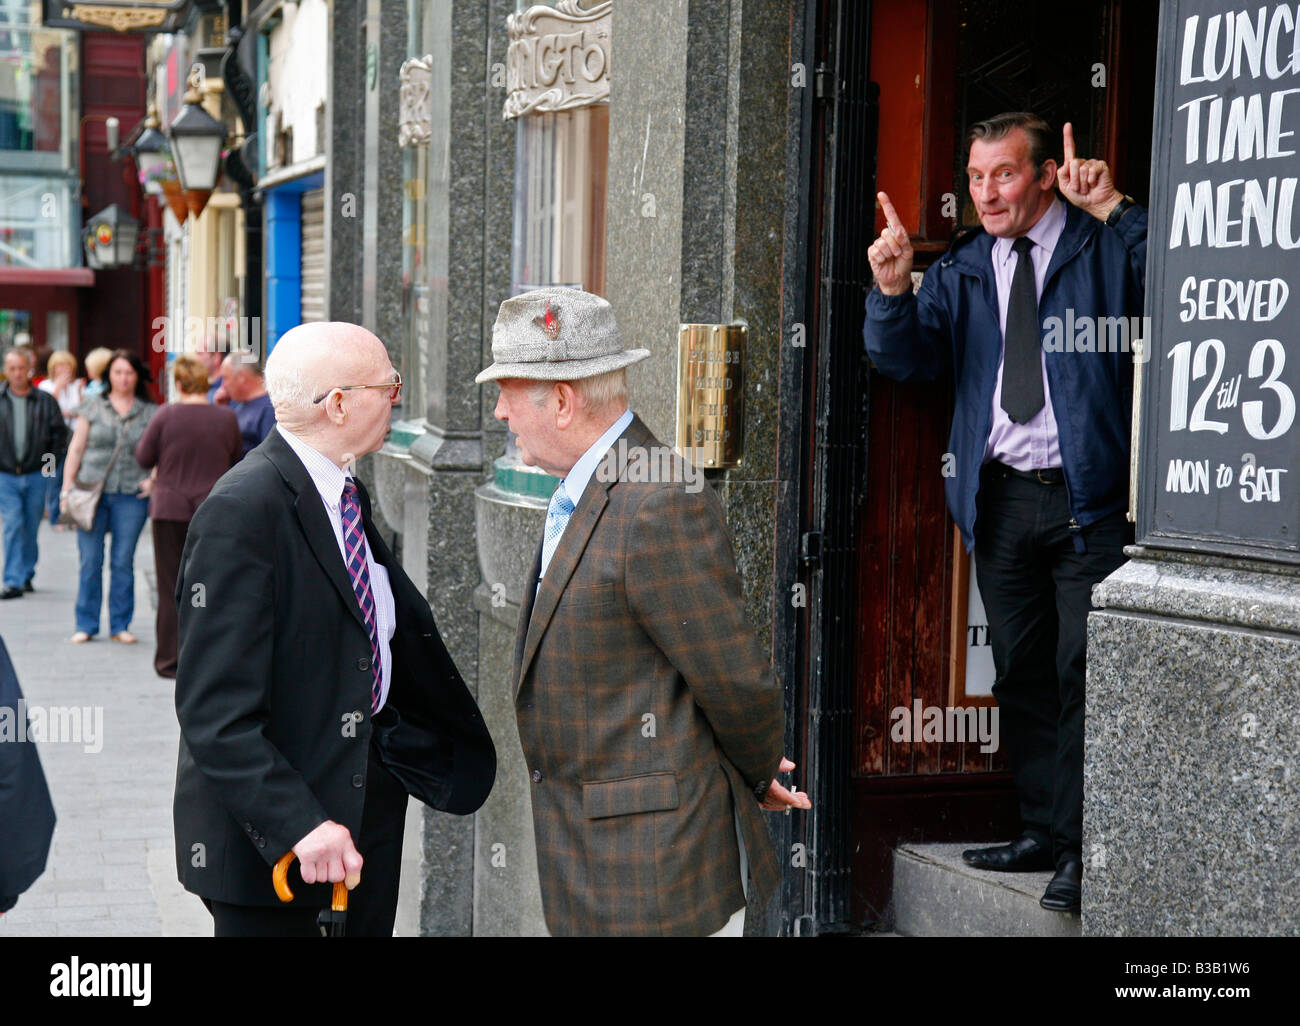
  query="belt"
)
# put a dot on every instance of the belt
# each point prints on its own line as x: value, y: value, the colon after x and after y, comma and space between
x: 1044, y: 475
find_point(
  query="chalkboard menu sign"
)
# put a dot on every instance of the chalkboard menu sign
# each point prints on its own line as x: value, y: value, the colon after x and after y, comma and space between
x: 1218, y: 414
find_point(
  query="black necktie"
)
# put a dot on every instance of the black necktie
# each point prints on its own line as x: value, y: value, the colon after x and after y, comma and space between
x: 1022, y: 373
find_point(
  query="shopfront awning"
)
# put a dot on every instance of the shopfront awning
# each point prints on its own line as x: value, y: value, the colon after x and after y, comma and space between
x: 67, y: 277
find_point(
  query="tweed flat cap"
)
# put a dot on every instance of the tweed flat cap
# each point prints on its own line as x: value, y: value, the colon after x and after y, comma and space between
x: 556, y: 334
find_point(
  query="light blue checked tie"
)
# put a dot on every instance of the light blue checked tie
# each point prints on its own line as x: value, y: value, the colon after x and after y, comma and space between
x: 557, y: 519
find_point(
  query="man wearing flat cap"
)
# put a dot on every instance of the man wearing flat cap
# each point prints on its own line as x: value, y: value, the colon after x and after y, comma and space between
x: 651, y: 722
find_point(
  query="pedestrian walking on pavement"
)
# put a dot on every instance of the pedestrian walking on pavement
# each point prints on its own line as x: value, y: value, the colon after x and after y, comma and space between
x: 32, y: 436
x: 109, y: 427
x: 243, y: 381
x: 96, y: 360
x: 191, y: 443
x: 68, y: 391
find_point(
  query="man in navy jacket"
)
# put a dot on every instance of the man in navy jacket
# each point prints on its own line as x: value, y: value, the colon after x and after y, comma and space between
x: 1034, y: 315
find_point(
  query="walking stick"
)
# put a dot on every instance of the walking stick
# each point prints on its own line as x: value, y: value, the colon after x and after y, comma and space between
x: 333, y: 920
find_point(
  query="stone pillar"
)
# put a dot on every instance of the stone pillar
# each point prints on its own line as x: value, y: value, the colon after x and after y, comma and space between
x: 696, y: 215
x: 424, y: 478
x: 1191, y: 773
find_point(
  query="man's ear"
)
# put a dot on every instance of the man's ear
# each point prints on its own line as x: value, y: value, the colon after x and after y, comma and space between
x: 566, y: 404
x: 334, y: 407
x: 1047, y: 178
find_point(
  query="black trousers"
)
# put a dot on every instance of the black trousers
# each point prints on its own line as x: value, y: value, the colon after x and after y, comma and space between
x: 372, y: 904
x: 168, y: 544
x: 1037, y: 591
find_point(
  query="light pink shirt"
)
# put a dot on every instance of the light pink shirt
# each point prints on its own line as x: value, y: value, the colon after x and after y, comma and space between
x: 1033, y: 445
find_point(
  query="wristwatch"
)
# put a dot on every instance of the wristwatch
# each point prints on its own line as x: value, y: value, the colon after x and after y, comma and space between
x: 1121, y: 208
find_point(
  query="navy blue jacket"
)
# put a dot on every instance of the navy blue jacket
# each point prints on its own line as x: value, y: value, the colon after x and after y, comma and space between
x: 951, y: 326
x: 26, y: 813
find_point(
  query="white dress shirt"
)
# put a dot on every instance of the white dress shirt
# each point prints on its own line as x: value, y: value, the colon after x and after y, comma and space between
x: 1034, y: 445
x: 576, y: 480
x: 329, y: 479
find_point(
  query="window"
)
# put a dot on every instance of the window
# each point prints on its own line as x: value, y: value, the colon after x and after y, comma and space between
x: 561, y: 169
x: 38, y: 187
x: 37, y: 87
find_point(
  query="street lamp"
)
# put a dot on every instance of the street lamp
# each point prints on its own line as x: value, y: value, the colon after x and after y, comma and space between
x: 150, y: 149
x: 110, y: 237
x: 196, y: 138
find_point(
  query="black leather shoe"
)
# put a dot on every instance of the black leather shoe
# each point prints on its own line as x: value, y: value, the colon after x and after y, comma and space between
x: 9, y: 593
x: 1063, y: 893
x: 27, y: 586
x: 1023, y: 855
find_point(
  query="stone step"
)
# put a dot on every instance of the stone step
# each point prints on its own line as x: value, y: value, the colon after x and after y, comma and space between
x: 937, y: 895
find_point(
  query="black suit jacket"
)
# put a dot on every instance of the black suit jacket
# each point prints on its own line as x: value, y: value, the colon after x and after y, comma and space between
x: 273, y: 686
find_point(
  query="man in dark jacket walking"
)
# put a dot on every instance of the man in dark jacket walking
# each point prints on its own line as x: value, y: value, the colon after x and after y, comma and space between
x: 32, y: 438
x: 1039, y: 441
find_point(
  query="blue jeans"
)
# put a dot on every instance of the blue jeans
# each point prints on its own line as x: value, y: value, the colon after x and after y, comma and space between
x: 124, y: 516
x: 22, y: 496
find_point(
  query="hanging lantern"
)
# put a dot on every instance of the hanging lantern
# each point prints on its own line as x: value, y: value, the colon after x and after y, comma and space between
x: 196, y: 140
x: 110, y: 238
x: 150, y: 149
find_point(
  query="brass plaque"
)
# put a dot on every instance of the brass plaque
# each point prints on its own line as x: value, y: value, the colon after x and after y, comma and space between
x: 710, y: 394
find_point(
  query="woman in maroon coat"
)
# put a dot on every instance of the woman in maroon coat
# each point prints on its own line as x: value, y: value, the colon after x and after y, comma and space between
x: 192, y: 443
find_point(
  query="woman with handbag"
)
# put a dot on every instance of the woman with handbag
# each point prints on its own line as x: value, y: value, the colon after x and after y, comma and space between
x: 191, y: 443
x: 105, y: 490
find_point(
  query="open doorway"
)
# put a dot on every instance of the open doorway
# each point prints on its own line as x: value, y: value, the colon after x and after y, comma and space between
x: 875, y: 449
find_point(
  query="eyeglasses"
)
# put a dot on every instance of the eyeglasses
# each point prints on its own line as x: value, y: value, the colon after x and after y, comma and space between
x: 394, y: 387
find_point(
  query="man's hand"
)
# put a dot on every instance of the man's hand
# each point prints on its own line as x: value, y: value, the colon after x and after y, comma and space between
x: 327, y: 854
x: 1086, y: 183
x: 891, y: 254
x: 778, y: 799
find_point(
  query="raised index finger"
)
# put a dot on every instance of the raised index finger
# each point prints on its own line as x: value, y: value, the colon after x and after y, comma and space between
x: 1067, y: 133
x: 891, y: 215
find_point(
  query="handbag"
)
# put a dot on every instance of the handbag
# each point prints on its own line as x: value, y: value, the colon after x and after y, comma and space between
x: 81, y: 502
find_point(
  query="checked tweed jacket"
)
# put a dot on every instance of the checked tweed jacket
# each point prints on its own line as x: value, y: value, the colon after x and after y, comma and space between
x: 647, y: 710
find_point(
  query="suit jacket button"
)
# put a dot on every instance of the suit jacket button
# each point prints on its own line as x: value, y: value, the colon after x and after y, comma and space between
x: 363, y: 664
x: 537, y: 776
x: 358, y: 781
x: 248, y: 827
x: 261, y: 842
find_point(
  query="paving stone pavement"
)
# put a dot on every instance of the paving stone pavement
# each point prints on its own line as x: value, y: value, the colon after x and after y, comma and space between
x: 111, y: 870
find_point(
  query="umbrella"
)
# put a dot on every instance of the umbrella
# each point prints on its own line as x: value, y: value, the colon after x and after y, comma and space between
x: 333, y: 920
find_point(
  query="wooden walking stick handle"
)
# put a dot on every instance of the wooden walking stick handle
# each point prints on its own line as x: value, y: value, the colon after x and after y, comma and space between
x: 280, y: 879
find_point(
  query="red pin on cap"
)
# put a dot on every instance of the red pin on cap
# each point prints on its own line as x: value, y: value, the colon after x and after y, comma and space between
x: 548, y: 322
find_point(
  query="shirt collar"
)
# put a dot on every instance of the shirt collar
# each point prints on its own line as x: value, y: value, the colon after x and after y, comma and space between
x: 575, y: 482
x: 328, y: 477
x: 1046, y: 232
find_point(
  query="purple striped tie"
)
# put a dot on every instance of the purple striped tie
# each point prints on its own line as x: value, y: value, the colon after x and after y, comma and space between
x: 354, y: 544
